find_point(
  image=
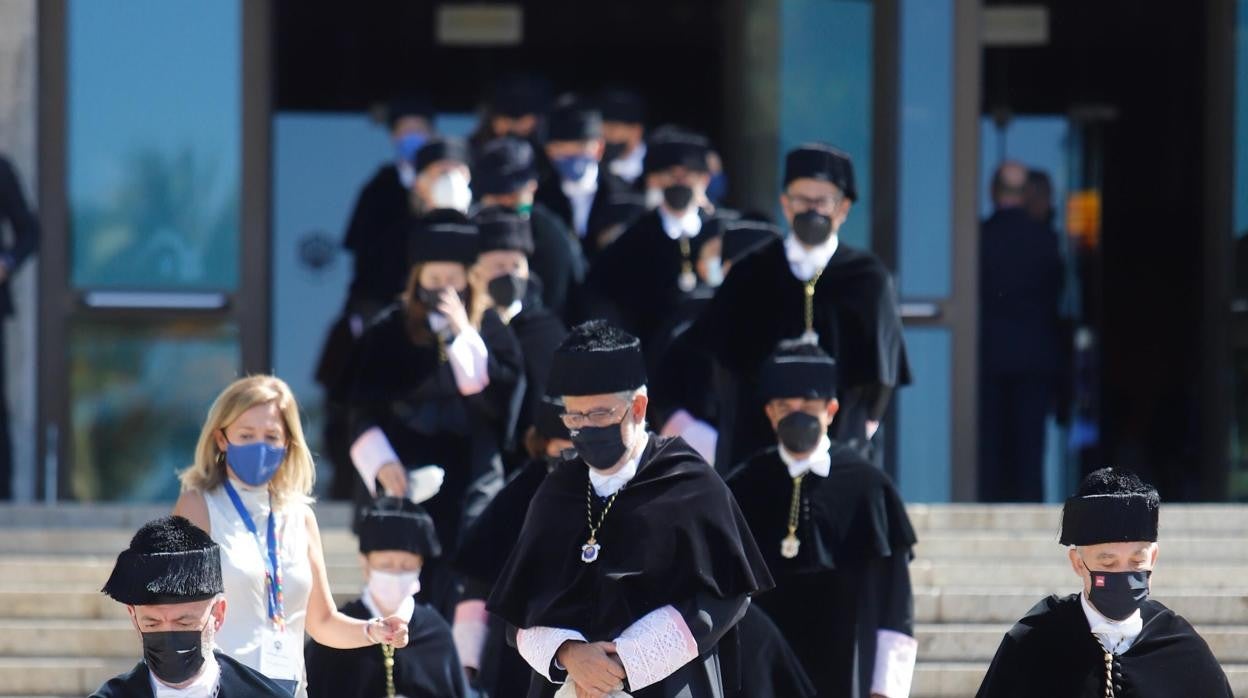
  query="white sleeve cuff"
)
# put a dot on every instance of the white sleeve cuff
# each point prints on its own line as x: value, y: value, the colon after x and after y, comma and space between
x: 469, y: 631
x: 895, y: 655
x: 538, y: 646
x: 469, y: 357
x: 655, y: 646
x: 369, y: 452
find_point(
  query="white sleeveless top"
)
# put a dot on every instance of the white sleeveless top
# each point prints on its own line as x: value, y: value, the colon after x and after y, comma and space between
x: 243, y: 570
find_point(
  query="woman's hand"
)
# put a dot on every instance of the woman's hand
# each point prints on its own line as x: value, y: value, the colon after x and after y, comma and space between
x: 450, y: 306
x: 390, y: 631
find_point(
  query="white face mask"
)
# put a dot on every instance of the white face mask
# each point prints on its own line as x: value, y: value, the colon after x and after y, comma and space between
x: 451, y: 190
x: 654, y: 197
x: 391, y: 589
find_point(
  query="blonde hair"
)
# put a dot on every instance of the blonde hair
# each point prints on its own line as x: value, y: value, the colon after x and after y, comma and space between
x: 297, y: 473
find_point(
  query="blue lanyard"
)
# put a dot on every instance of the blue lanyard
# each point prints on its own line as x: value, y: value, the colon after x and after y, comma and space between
x: 272, y: 571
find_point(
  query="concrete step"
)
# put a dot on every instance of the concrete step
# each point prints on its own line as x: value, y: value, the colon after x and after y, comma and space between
x: 962, y: 679
x: 110, y: 541
x: 44, y: 676
x: 127, y: 516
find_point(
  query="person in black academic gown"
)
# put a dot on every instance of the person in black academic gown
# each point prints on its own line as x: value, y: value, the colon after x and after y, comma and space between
x: 835, y: 535
x: 396, y: 537
x: 1111, y: 639
x: 634, y: 544
x: 504, y: 173
x: 638, y: 279
x: 483, y: 549
x: 435, y: 386
x: 624, y: 130
x: 500, y: 277
x: 170, y: 581
x: 808, y: 284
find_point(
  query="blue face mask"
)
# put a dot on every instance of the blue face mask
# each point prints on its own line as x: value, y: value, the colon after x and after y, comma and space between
x: 573, y: 169
x: 255, y: 464
x: 407, y: 146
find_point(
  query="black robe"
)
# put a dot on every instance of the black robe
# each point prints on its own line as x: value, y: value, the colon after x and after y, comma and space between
x: 1052, y: 652
x: 681, y: 374
x: 772, y: 668
x: 237, y: 681
x: 483, y: 550
x: 851, y: 574
x: 761, y: 303
x: 634, y: 282
x: 539, y: 332
x: 427, y: 668
x: 557, y: 259
x: 674, y: 536
x: 408, y: 392
x: 376, y: 230
x: 550, y: 195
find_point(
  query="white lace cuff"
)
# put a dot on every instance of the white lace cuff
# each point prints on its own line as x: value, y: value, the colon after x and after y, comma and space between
x: 469, y: 631
x: 895, y: 655
x: 538, y: 646
x: 469, y: 358
x: 369, y: 452
x: 655, y: 646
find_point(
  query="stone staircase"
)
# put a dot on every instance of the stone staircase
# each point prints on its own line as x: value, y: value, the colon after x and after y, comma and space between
x: 978, y: 569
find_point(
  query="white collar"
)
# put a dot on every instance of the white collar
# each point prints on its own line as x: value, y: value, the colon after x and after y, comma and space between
x: 629, y: 167
x: 586, y: 186
x: 818, y: 462
x: 1116, y: 635
x: 688, y: 225
x: 438, y: 322
x: 407, y: 173
x: 204, y: 685
x: 607, y: 485
x: 510, y: 312
x: 805, y: 263
x: 405, y: 610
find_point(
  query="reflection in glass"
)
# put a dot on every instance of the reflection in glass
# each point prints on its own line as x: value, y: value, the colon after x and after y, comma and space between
x: 154, y: 133
x: 139, y: 392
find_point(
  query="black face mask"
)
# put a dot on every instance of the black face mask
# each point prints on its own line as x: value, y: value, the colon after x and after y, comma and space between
x: 613, y: 150
x: 678, y: 196
x: 431, y: 298
x: 600, y: 447
x: 799, y: 432
x: 812, y: 228
x: 1118, y: 594
x: 174, y: 657
x: 507, y: 289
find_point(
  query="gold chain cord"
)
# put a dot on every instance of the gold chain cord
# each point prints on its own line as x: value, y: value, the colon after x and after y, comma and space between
x: 810, y: 300
x: 1109, y: 669
x: 387, y: 651
x: 686, y: 264
x: 589, y: 511
x: 795, y: 507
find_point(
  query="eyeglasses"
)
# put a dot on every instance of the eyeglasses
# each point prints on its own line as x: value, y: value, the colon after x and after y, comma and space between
x: 823, y: 204
x: 593, y: 418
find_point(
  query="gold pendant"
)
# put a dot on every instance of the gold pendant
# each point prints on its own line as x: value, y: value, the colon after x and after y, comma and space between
x: 789, y: 546
x: 687, y: 281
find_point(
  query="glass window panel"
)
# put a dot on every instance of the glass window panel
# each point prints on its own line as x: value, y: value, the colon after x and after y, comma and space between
x: 154, y: 129
x: 139, y: 392
x: 924, y: 460
x: 825, y: 90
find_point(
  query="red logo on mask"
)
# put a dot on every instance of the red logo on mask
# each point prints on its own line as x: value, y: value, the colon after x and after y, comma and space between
x: 1099, y: 580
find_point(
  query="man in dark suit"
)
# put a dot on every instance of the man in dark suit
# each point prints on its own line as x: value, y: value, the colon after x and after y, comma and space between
x: 1020, y: 290
x: 25, y: 238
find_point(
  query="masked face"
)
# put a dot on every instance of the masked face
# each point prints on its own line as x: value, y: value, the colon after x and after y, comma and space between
x: 405, y: 146
x: 177, y: 656
x: 601, y: 443
x: 812, y: 228
x: 451, y: 191
x: 614, y: 149
x: 1117, y: 595
x: 678, y: 197
x: 573, y: 168
x: 507, y: 289
x: 255, y: 463
x: 391, y: 588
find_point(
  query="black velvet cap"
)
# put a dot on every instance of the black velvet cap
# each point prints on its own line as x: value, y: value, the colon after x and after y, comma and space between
x: 824, y: 163
x: 798, y: 369
x: 440, y: 148
x: 671, y: 147
x: 501, y: 228
x: 1111, y: 506
x: 573, y: 120
x: 408, y: 105
x: 597, y: 358
x: 503, y: 166
x: 169, y: 561
x: 444, y: 235
x: 395, y: 523
x: 622, y: 105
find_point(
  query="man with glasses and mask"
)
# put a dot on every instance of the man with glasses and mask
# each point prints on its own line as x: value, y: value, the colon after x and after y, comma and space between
x: 634, y: 561
x: 170, y: 581
x: 1110, y: 639
x: 808, y: 285
x: 835, y: 535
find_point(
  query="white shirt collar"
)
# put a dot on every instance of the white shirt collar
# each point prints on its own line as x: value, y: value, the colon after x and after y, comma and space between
x: 818, y: 462
x: 629, y: 167
x: 405, y: 610
x: 1116, y: 635
x: 510, y: 312
x: 806, y: 263
x: 607, y: 485
x: 204, y: 686
x: 688, y: 225
x: 407, y: 173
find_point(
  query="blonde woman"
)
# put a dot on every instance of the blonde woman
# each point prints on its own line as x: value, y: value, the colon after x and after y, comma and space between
x: 248, y: 488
